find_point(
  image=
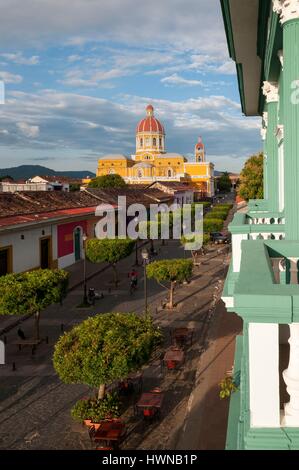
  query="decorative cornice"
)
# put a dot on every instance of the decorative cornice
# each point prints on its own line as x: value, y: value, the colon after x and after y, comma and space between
x: 270, y: 90
x: 286, y: 9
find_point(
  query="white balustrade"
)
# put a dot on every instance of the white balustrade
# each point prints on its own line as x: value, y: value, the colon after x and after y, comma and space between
x: 291, y: 378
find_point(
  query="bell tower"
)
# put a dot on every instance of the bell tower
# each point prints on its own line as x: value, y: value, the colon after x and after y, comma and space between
x: 200, y: 155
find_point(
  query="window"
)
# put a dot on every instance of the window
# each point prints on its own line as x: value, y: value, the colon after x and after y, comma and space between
x: 169, y: 173
x: 160, y: 142
x: 154, y: 142
x: 140, y: 174
x: 141, y: 142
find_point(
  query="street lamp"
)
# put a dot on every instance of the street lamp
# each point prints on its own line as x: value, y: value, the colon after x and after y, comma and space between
x: 85, y: 300
x: 136, y: 246
x: 145, y: 258
x: 184, y: 229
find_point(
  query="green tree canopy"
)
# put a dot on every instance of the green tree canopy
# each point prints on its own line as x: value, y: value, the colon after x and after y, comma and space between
x: 109, y: 250
x: 31, y: 292
x: 172, y: 271
x: 251, y: 178
x: 107, y: 181
x: 224, y: 183
x: 105, y: 348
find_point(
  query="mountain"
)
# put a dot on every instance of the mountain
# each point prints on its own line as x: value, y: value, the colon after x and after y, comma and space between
x: 219, y: 173
x: 28, y: 171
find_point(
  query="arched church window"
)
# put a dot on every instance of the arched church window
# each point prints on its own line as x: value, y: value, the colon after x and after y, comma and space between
x: 154, y: 142
x: 160, y: 142
x: 141, y: 142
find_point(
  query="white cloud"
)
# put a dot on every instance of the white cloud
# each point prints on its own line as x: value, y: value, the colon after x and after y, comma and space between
x: 75, y: 125
x: 28, y: 130
x: 190, y: 24
x: 227, y: 68
x: 175, y: 79
x: 18, y: 58
x: 8, y: 77
x: 73, y: 58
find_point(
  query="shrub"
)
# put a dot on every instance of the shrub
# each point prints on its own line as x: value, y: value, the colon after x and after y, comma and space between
x: 212, y: 225
x: 97, y: 410
x: 227, y: 387
x: 216, y: 215
x: 224, y: 206
x: 206, y: 239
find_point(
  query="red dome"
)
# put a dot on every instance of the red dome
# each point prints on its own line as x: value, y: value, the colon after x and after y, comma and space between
x: 150, y: 123
x: 200, y: 146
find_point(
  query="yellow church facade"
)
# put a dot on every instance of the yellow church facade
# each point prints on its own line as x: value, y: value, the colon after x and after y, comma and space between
x: 152, y: 163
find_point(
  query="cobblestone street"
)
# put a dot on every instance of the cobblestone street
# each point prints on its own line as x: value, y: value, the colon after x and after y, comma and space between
x: 35, y: 405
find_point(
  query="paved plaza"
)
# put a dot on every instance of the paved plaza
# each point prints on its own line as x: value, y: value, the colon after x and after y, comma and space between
x: 35, y: 405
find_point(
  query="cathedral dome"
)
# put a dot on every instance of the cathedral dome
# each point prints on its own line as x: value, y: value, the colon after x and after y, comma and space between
x: 150, y: 123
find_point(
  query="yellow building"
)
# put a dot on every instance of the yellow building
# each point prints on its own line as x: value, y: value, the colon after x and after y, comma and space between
x: 152, y: 163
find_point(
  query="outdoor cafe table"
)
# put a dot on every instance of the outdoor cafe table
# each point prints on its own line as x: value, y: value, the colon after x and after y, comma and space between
x: 173, y: 357
x: 150, y: 400
x: 110, y: 431
x: 182, y: 335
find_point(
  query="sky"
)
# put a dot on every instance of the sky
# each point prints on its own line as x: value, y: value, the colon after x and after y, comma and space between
x: 78, y: 75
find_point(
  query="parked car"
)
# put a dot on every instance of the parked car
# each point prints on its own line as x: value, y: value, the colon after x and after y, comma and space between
x: 219, y: 237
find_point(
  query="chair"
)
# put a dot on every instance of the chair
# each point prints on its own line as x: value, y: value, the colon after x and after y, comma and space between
x: 171, y: 365
x: 92, y: 432
x: 156, y: 390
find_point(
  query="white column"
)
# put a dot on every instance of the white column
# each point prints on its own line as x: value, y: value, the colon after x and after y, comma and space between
x: 264, y: 375
x: 276, y: 263
x: 237, y: 250
x: 291, y: 378
x: 294, y: 270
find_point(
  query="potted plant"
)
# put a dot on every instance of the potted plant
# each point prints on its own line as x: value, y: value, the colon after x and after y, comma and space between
x: 92, y: 411
x: 227, y: 387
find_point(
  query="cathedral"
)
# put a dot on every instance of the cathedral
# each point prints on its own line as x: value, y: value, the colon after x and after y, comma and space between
x: 152, y: 163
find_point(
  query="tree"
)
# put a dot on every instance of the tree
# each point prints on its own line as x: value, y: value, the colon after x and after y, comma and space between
x: 105, y: 348
x: 146, y: 227
x: 224, y: 183
x: 110, y: 251
x: 107, y: 181
x: 251, y: 178
x: 75, y: 187
x: 212, y: 225
x: 187, y: 239
x: 31, y: 292
x: 172, y: 271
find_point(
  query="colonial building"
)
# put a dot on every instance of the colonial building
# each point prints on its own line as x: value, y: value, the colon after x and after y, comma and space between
x: 152, y: 163
x: 40, y: 183
x: 45, y: 229
x: 262, y: 283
